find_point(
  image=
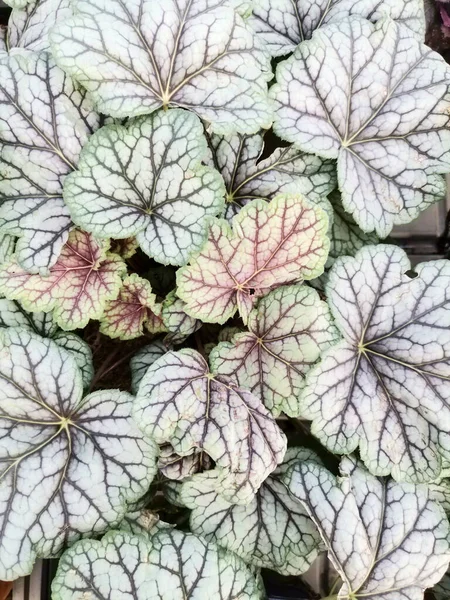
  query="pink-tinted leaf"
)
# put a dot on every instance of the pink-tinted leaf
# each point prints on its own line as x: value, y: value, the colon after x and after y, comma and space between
x: 78, y: 286
x: 271, y: 244
x: 133, y: 309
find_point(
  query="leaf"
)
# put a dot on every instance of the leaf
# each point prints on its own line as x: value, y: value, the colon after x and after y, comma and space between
x: 70, y: 466
x: 272, y: 532
x: 441, y: 591
x: 12, y: 314
x: 7, y: 245
x: 28, y: 27
x: 134, y: 309
x: 271, y: 244
x: 17, y: 3
x: 171, y: 565
x: 385, y: 388
x: 141, y: 361
x: 126, y: 248
x: 44, y: 123
x: 288, y: 330
x: 146, y: 179
x: 345, y: 235
x: 179, y: 401
x: 376, y: 99
x: 84, y: 278
x: 143, y: 522
x: 177, y: 467
x: 179, y: 325
x: 285, y: 24
x: 194, y: 55
x: 286, y: 170
x: 388, y: 541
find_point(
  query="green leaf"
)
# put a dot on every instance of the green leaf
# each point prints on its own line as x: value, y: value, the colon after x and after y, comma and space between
x: 286, y: 170
x: 146, y: 179
x: 70, y: 466
x: 136, y: 58
x: 288, y: 330
x: 180, y: 402
x: 271, y: 244
x: 29, y: 25
x: 388, y: 541
x: 134, y: 309
x: 273, y: 531
x: 12, y: 314
x: 283, y: 24
x: 385, y: 388
x: 377, y: 100
x: 78, y: 286
x: 45, y: 120
x: 179, y: 325
x: 171, y: 565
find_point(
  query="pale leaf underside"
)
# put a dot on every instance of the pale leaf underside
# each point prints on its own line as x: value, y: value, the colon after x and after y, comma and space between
x: 386, y: 387
x: 179, y: 401
x: 388, y: 541
x: 378, y: 100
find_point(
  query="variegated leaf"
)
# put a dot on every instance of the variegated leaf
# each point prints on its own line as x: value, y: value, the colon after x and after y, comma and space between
x: 179, y: 324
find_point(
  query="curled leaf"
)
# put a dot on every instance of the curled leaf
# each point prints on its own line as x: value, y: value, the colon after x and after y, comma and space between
x: 44, y: 122
x: 273, y: 531
x: 134, y: 309
x: 141, y: 361
x: 70, y: 466
x: 179, y: 324
x: 177, y: 467
x: 387, y: 540
x: 271, y: 244
x: 146, y: 179
x: 286, y: 170
x: 180, y: 402
x: 377, y: 100
x: 386, y: 387
x: 187, y: 54
x: 288, y: 330
x: 78, y: 286
x: 284, y: 24
x: 168, y: 565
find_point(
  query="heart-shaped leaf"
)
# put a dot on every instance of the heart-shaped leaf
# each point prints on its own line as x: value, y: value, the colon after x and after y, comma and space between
x: 283, y: 24
x: 70, y: 466
x: 378, y: 100
x: 168, y: 565
x: 187, y: 54
x: 388, y: 541
x: 146, y: 179
x: 180, y: 402
x: 78, y: 286
x: 142, y: 360
x: 179, y: 325
x: 273, y: 531
x: 286, y: 170
x: 386, y: 387
x: 28, y: 27
x: 12, y: 314
x: 271, y: 244
x: 44, y: 123
x: 288, y: 330
x: 134, y: 309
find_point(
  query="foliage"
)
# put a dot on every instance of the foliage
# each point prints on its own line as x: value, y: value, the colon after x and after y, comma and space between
x: 192, y: 198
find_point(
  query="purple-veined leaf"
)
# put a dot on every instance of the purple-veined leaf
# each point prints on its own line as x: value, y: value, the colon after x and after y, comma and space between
x: 177, y: 467
x: 70, y: 466
x: 165, y: 565
x: 270, y: 244
x: 377, y: 100
x: 135, y: 58
x: 44, y: 122
x: 386, y: 387
x: 273, y: 531
x: 284, y: 24
x: 287, y: 331
x: 141, y: 361
x: 134, y: 310
x: 78, y: 286
x: 126, y: 247
x: 146, y: 179
x: 387, y: 540
x: 179, y: 324
x: 180, y: 402
x: 286, y: 170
